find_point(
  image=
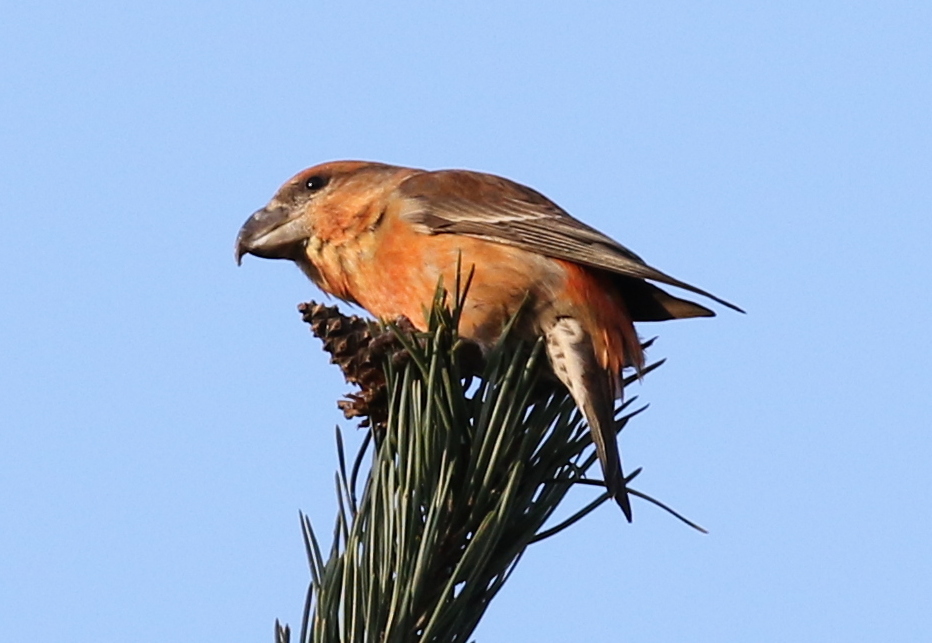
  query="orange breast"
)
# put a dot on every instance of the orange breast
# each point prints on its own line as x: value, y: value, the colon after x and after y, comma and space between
x: 393, y: 270
x: 400, y: 268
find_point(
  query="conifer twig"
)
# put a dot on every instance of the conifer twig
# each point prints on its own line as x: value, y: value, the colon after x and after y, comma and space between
x: 470, y: 459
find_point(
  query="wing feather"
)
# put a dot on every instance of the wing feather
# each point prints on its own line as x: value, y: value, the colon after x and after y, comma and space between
x: 496, y: 209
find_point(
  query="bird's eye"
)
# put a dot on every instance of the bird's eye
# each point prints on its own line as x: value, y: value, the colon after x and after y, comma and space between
x: 315, y: 182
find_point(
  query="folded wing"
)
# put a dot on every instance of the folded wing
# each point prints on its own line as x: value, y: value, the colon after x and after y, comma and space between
x: 496, y: 209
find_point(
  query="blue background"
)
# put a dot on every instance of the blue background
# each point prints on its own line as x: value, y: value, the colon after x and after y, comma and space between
x: 164, y: 415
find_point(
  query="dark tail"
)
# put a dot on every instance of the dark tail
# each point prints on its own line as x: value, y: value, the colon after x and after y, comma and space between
x: 600, y: 414
x: 574, y: 363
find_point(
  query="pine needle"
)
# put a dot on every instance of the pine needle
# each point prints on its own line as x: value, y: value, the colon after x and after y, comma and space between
x: 466, y: 471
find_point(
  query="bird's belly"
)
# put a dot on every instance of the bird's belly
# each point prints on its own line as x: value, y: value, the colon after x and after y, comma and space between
x: 402, y: 279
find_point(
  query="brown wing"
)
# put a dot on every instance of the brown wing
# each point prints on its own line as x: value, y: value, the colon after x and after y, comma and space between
x: 490, y: 207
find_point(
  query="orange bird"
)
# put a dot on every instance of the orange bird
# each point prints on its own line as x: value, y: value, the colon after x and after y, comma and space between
x: 382, y: 236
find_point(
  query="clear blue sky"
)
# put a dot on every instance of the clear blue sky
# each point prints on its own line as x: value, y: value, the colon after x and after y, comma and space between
x: 164, y: 415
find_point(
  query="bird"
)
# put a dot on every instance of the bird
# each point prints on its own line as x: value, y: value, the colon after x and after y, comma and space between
x: 382, y: 236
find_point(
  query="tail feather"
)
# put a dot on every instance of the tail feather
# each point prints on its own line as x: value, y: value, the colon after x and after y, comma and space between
x: 574, y: 363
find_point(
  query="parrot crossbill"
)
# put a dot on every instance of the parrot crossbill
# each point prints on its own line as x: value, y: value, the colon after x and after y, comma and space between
x: 383, y: 236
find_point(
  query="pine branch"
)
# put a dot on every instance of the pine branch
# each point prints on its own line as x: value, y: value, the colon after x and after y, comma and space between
x: 468, y: 458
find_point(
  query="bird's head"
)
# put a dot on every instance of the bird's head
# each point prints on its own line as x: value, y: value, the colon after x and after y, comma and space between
x: 319, y: 204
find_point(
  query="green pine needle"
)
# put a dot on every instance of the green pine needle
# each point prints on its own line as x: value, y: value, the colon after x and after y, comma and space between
x: 464, y: 477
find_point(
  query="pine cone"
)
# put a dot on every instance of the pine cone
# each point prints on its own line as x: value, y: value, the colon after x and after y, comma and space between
x: 359, y: 347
